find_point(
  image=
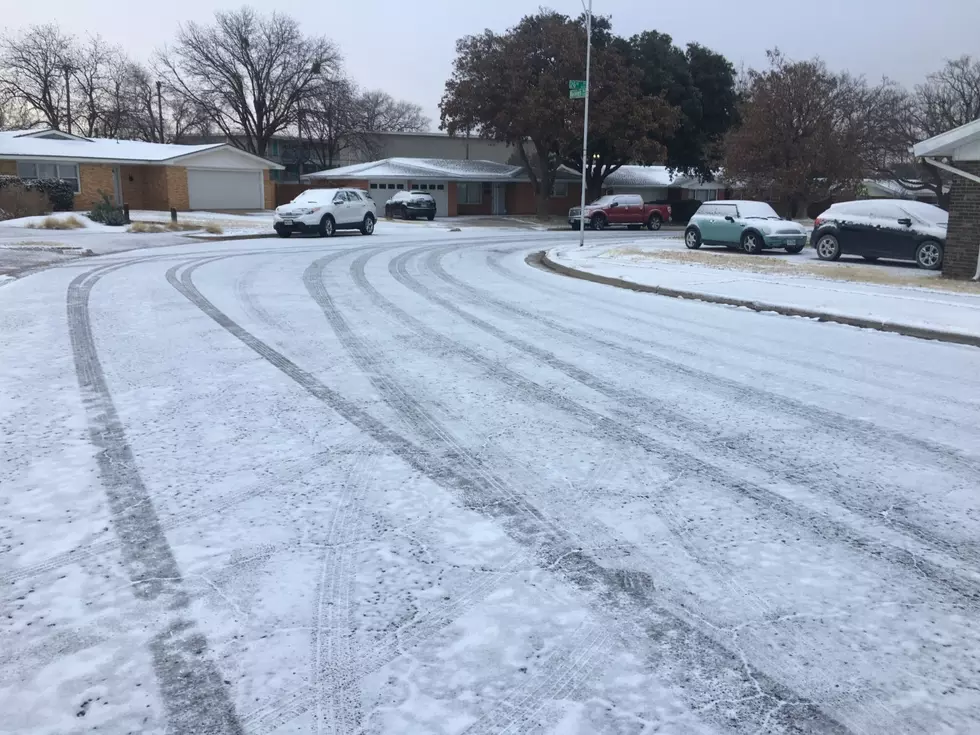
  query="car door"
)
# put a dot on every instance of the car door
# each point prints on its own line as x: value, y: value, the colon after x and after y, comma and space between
x: 358, y: 206
x: 346, y: 211
x: 706, y: 221
x: 898, y: 237
x: 855, y: 227
x: 727, y: 228
x: 632, y: 210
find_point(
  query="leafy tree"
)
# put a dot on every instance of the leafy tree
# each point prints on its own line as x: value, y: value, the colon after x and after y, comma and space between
x: 249, y: 73
x: 806, y: 134
x: 701, y: 84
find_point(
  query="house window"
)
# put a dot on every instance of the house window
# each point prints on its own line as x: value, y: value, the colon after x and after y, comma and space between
x: 559, y: 189
x: 374, y: 186
x: 440, y: 187
x: 45, y: 170
x: 400, y: 186
x: 470, y: 193
x: 704, y: 195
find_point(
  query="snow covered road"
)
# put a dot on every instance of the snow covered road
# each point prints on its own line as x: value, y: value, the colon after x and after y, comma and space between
x: 411, y: 484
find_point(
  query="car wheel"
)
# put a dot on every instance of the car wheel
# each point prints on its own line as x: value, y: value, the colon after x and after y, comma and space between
x: 404, y: 212
x: 929, y: 255
x: 598, y: 222
x: 283, y: 233
x: 655, y: 222
x: 828, y: 248
x: 870, y: 258
x: 794, y: 249
x: 387, y: 211
x: 430, y: 217
x: 752, y: 243
x: 692, y: 238
x: 411, y: 216
x: 327, y: 226
x: 367, y: 226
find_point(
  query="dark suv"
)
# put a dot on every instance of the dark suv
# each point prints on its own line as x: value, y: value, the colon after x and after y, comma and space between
x: 411, y: 204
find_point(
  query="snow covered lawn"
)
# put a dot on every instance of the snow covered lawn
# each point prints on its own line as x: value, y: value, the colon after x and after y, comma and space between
x: 67, y: 219
x: 895, y: 294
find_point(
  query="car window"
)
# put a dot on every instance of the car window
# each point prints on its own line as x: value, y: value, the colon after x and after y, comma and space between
x: 756, y: 210
x: 630, y: 200
x: 926, y: 213
x: 602, y: 201
x: 316, y: 195
x: 707, y: 210
x: 353, y: 195
x: 725, y: 210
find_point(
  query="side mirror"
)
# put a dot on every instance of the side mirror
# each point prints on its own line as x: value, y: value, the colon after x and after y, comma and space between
x: 905, y: 221
x: 613, y: 205
x: 338, y: 200
x: 729, y: 218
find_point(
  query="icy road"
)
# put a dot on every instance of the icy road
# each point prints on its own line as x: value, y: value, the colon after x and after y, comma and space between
x: 412, y: 484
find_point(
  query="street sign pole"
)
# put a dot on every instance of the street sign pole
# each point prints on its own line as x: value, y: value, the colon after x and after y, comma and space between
x: 585, y: 129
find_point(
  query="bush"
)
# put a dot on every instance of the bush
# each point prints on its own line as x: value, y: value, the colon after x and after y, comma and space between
x: 681, y: 211
x: 17, y: 201
x: 59, y: 195
x: 107, y: 213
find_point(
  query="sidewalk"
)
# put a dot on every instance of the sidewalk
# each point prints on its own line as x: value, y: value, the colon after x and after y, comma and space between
x: 906, y: 309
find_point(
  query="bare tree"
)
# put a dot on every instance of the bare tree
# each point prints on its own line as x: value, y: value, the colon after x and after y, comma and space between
x: 249, y: 73
x: 93, y: 65
x: 32, y: 70
x: 380, y: 112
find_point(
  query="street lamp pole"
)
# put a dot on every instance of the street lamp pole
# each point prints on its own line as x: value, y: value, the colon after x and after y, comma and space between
x: 585, y: 129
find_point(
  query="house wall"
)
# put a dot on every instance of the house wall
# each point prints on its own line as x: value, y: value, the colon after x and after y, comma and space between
x: 94, y: 179
x: 177, y: 196
x: 520, y: 199
x: 269, y: 191
x: 484, y: 207
x: 144, y: 187
x: 8, y: 168
x: 453, y: 208
x: 963, y: 232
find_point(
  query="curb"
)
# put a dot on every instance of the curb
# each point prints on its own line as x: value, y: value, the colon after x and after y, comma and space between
x: 541, y: 258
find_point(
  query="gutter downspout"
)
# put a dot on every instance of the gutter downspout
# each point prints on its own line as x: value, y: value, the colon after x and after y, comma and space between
x: 966, y: 175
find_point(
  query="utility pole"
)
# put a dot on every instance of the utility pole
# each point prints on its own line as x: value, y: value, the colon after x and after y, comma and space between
x: 585, y: 127
x: 160, y: 110
x: 67, y: 69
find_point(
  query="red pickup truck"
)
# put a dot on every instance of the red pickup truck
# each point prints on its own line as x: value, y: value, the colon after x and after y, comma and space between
x: 621, y: 210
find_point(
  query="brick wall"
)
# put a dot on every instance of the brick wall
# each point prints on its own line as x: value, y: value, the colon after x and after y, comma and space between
x: 94, y: 180
x: 963, y: 233
x: 8, y: 168
x: 484, y: 207
x: 452, y: 194
x: 144, y: 187
x: 177, y: 196
x: 520, y: 199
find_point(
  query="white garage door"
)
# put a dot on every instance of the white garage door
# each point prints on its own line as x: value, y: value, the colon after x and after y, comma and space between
x: 439, y: 192
x: 382, y: 191
x: 210, y: 189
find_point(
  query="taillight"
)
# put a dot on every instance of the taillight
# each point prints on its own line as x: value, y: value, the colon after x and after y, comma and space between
x: 817, y: 222
x: 669, y: 211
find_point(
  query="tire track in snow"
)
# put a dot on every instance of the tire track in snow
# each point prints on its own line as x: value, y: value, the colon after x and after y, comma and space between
x: 495, y: 258
x: 631, y: 597
x: 669, y: 421
x: 189, y: 681
x: 676, y: 458
x: 629, y: 593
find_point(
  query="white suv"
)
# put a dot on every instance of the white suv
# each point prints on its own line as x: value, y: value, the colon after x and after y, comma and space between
x: 325, y: 211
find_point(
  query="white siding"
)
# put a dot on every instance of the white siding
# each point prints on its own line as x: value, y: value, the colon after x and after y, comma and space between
x: 382, y: 191
x: 214, y: 189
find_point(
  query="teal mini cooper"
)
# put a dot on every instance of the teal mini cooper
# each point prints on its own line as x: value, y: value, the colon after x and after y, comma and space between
x: 748, y: 226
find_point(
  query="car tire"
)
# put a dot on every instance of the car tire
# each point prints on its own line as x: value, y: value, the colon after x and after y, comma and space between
x: 828, y: 248
x: 283, y: 233
x: 327, y: 226
x: 387, y: 211
x: 599, y: 222
x: 692, y: 238
x: 404, y: 212
x: 929, y: 255
x: 655, y: 222
x: 752, y: 243
x: 794, y: 249
x: 367, y: 226
x: 430, y: 217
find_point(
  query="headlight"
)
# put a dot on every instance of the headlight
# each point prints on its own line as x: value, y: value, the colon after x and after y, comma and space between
x: 305, y: 210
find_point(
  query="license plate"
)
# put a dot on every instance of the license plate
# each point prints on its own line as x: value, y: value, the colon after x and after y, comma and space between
x: 287, y: 222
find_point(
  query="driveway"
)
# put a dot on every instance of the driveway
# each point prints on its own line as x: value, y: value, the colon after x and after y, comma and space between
x: 409, y: 483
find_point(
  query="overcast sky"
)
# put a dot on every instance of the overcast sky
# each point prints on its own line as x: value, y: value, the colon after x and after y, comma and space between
x: 406, y: 47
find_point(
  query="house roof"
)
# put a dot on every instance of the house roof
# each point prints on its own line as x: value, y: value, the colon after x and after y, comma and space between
x: 947, y: 143
x: 26, y: 145
x: 423, y: 168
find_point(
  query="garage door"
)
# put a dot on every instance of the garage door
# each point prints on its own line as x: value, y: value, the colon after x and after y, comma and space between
x: 382, y: 191
x: 440, y: 193
x: 210, y: 189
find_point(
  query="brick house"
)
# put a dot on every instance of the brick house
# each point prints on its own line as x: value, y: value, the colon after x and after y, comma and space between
x: 469, y: 187
x: 958, y: 152
x: 142, y: 175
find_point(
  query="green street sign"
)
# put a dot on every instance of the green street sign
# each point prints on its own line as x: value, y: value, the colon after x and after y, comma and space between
x: 576, y: 89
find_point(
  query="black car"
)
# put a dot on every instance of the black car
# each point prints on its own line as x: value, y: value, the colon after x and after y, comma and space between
x: 411, y: 204
x: 882, y: 228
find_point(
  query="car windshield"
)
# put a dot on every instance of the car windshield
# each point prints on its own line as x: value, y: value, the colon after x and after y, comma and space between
x: 602, y: 202
x: 756, y: 210
x: 315, y: 196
